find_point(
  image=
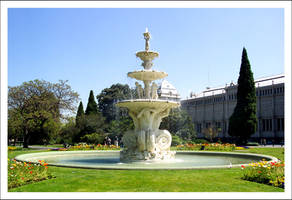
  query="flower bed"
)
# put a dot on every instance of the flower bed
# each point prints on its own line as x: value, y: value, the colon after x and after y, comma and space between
x: 20, y: 173
x: 207, y: 147
x: 88, y: 147
x: 271, y: 173
x: 10, y: 148
x: 95, y: 147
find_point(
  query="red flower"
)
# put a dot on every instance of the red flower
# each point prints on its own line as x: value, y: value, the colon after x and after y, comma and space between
x: 30, y: 172
x: 259, y: 172
x: 242, y: 166
x: 22, y: 178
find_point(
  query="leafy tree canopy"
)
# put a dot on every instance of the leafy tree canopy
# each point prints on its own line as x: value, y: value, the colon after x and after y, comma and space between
x: 109, y: 96
x: 36, y: 107
x: 179, y: 123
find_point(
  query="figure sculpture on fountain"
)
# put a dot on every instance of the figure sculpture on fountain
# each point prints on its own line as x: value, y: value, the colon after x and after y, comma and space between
x: 139, y: 90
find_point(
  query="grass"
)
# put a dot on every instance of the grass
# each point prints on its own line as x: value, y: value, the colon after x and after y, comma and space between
x: 87, y: 180
x: 276, y: 152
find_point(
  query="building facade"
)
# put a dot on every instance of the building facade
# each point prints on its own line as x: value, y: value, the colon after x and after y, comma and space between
x: 214, y: 106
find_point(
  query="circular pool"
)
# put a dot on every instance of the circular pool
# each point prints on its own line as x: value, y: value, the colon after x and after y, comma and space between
x: 111, y: 160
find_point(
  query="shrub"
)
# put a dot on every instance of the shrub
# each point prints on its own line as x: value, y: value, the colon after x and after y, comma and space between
x: 207, y: 147
x: 176, y: 140
x: 271, y: 173
x: 201, y: 141
x: 93, y: 138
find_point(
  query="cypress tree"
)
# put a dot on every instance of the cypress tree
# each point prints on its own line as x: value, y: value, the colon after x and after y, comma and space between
x: 80, y: 115
x: 91, y: 105
x: 243, y: 121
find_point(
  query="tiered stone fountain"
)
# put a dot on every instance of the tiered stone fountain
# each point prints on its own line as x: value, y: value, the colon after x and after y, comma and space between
x: 147, y: 141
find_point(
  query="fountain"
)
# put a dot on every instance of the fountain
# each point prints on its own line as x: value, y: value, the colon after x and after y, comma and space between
x: 146, y: 144
x: 147, y: 141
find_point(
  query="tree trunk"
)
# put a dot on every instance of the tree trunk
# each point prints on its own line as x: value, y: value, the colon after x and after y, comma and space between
x: 25, y: 139
x: 15, y: 140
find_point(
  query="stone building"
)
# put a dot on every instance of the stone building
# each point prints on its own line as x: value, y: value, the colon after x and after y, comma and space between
x: 167, y: 91
x: 214, y: 106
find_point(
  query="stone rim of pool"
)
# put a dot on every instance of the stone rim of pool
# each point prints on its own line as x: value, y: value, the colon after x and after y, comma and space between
x: 34, y: 157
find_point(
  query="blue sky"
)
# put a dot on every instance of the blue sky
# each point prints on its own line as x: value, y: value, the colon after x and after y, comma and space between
x: 95, y: 48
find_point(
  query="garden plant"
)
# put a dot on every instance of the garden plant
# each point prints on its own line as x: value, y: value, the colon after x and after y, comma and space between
x: 265, y: 172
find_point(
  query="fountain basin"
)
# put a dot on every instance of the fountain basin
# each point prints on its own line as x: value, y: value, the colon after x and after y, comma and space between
x: 111, y: 160
x: 139, y: 104
x: 147, y: 55
x: 145, y: 75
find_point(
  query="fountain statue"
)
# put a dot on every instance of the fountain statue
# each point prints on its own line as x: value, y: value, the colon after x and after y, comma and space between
x: 147, y: 141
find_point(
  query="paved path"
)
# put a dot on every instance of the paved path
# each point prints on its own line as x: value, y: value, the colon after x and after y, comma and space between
x: 267, y: 146
x: 42, y: 147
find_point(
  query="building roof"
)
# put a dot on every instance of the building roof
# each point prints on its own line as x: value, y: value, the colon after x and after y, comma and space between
x: 166, y: 89
x: 260, y: 82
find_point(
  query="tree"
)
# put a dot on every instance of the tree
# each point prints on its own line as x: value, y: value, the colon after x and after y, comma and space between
x: 68, y: 132
x: 211, y: 132
x: 14, y: 125
x: 243, y: 121
x: 179, y: 123
x: 109, y: 96
x: 92, y: 122
x: 80, y: 115
x: 36, y: 107
x: 91, y: 105
x: 119, y: 127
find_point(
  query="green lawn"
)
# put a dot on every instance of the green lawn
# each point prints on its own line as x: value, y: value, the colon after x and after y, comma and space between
x: 276, y: 152
x: 89, y: 180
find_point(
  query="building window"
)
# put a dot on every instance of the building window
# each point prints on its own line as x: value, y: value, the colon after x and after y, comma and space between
x: 267, y: 125
x: 280, y: 124
x: 199, y: 128
x: 208, y: 125
x: 218, y: 126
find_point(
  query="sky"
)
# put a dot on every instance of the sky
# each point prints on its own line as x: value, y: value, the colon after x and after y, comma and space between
x: 94, y: 48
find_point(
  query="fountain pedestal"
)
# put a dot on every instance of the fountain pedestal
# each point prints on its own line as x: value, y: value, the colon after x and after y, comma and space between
x: 147, y: 141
